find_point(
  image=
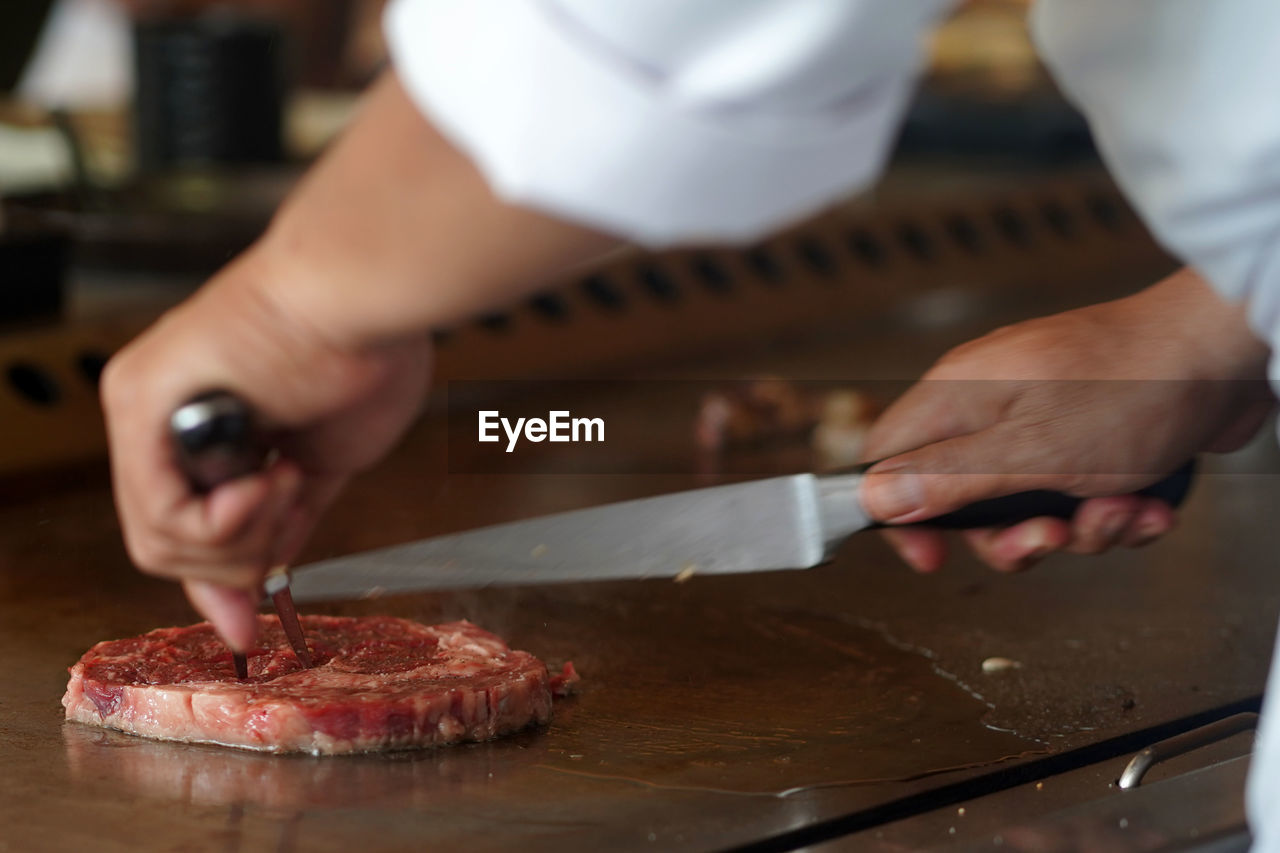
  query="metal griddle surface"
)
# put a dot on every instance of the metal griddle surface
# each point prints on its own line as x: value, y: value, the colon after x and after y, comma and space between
x: 713, y: 713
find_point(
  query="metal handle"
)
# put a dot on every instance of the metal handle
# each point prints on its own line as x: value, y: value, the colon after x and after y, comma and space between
x: 216, y: 439
x: 1184, y: 743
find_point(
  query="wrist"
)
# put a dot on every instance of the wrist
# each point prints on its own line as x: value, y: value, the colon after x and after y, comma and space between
x: 250, y: 338
x: 1211, y: 335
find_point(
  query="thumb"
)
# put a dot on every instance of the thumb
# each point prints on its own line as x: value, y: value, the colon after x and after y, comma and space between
x: 232, y: 612
x: 942, y: 477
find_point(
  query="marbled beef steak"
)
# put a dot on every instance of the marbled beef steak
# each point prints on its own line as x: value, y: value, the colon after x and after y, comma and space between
x: 379, y: 683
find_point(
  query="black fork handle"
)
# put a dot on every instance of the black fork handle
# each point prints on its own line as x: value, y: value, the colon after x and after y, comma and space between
x: 1039, y: 503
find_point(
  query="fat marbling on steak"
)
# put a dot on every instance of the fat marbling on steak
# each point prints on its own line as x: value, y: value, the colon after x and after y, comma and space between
x: 379, y: 683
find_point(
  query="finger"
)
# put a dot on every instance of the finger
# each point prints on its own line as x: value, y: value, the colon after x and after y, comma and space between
x: 1154, y: 519
x: 1099, y: 523
x: 232, y: 612
x: 233, y: 509
x: 301, y: 518
x: 229, y: 510
x: 162, y: 529
x: 923, y: 550
x: 1021, y: 546
x: 237, y: 575
x: 981, y: 542
x: 145, y: 479
x: 294, y: 533
x: 947, y: 475
x: 929, y: 411
x: 149, y: 495
x: 239, y: 559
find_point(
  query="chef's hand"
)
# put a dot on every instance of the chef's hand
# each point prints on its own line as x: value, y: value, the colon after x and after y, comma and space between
x: 1097, y: 403
x: 338, y: 409
x: 322, y: 327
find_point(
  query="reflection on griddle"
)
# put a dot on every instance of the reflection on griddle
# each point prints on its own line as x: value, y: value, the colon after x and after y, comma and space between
x: 200, y: 775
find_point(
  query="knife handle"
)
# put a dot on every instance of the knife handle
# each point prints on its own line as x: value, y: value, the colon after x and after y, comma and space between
x: 216, y: 439
x: 1011, y: 509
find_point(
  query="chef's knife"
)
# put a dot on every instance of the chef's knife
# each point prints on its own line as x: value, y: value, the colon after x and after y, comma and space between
x: 216, y: 440
x: 793, y: 522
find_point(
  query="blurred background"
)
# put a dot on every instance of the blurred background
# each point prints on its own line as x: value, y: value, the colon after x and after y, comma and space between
x: 144, y: 142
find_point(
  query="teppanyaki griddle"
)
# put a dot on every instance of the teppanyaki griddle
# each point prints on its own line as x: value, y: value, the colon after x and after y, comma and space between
x: 724, y: 712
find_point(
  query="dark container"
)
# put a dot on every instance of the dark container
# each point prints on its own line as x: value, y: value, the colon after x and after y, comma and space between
x: 210, y: 90
x: 33, y: 272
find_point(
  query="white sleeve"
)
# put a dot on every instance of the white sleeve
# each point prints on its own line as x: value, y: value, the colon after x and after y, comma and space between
x: 663, y: 120
x: 1183, y: 97
x: 1184, y: 100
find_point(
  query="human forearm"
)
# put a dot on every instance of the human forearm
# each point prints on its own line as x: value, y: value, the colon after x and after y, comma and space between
x: 1212, y: 336
x: 396, y: 231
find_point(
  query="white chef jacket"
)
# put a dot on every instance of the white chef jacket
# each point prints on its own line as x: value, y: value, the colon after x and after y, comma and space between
x: 1183, y: 97
x: 665, y: 120
x: 682, y: 120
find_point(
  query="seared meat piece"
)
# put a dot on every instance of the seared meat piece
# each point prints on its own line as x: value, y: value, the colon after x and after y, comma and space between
x: 380, y: 683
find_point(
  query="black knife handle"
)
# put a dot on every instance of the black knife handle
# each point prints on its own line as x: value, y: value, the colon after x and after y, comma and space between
x: 216, y: 438
x: 1011, y: 509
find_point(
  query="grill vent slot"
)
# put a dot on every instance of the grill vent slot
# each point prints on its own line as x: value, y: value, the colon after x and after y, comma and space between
x: 1059, y: 219
x: 713, y: 275
x: 964, y: 233
x: 867, y: 249
x: 603, y: 292
x: 33, y: 384
x: 917, y: 242
x: 550, y: 306
x: 937, y: 238
x: 1013, y: 226
x: 765, y: 264
x: 497, y: 322
x: 660, y: 285
x: 817, y: 257
x: 642, y: 305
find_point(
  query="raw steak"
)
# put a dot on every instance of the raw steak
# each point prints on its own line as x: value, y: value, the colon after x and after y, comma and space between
x: 379, y: 683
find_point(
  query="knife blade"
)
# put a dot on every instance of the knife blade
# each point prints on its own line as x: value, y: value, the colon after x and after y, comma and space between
x: 216, y: 439
x: 792, y: 522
